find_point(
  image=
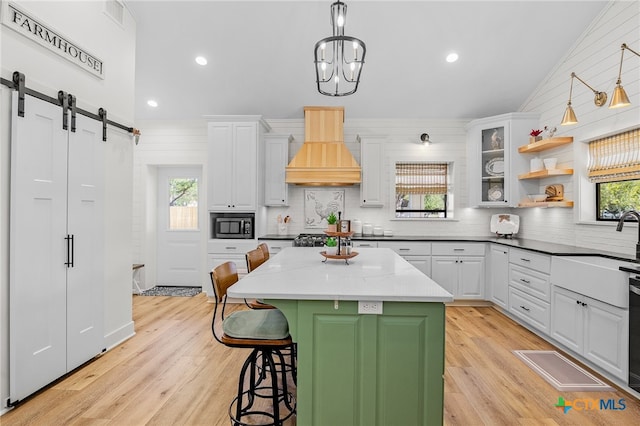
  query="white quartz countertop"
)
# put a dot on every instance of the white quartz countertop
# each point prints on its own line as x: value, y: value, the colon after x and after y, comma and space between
x: 376, y: 274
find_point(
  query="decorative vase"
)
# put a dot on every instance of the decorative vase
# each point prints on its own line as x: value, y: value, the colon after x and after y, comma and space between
x: 533, y: 139
x: 332, y: 228
x: 331, y: 251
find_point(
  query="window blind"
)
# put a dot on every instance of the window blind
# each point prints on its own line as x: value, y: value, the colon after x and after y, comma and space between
x: 615, y: 158
x: 421, y: 178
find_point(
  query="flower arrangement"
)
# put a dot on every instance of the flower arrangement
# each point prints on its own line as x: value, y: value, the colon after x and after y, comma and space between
x: 535, y: 135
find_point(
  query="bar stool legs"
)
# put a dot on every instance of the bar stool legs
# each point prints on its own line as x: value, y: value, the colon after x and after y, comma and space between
x: 282, y: 403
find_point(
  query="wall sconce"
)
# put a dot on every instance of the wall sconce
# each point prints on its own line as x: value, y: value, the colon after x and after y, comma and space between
x: 425, y: 139
x: 619, y: 97
x: 600, y: 98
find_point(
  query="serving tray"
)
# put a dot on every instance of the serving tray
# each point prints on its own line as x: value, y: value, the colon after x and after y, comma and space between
x: 344, y: 257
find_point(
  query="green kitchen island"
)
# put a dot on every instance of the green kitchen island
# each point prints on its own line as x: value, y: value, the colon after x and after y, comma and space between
x: 358, y: 368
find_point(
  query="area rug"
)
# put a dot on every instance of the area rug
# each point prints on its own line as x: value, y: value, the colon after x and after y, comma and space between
x: 172, y: 291
x: 561, y: 373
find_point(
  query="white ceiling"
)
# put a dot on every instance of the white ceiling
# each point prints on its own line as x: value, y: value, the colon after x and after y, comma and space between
x: 260, y: 55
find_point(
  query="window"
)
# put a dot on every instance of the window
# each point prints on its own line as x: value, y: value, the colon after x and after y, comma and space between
x: 422, y: 190
x: 183, y: 204
x: 614, y: 166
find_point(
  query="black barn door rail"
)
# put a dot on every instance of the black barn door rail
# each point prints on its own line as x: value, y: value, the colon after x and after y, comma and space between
x: 66, y: 100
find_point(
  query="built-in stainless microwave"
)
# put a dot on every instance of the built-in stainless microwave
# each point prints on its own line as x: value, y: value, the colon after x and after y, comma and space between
x: 232, y: 225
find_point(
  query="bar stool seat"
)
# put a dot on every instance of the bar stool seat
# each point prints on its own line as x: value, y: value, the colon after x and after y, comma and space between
x: 266, y: 332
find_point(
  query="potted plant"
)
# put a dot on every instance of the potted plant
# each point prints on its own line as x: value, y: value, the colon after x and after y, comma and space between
x: 331, y: 245
x: 331, y: 220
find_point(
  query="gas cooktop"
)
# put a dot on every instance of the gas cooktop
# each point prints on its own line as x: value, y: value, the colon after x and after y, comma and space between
x: 309, y: 240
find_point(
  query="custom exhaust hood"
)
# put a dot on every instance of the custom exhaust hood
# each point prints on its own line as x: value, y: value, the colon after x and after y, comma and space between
x: 324, y: 159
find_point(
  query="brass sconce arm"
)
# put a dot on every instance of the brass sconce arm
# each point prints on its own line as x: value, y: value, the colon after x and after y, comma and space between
x: 619, y: 98
x: 600, y: 98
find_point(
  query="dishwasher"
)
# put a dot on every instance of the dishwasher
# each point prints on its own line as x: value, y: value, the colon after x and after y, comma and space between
x: 634, y: 333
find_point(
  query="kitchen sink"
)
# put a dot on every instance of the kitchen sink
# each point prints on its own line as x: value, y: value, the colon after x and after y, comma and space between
x: 593, y: 276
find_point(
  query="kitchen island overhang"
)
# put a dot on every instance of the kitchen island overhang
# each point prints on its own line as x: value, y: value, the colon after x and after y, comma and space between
x: 353, y: 368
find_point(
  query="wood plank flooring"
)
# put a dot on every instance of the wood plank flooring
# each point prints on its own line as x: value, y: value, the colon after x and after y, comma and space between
x: 173, y: 373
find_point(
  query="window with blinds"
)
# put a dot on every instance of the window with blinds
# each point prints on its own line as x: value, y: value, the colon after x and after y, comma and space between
x: 421, y: 189
x: 614, y: 165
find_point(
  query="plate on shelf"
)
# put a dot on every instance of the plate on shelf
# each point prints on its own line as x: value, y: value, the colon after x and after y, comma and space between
x: 495, y: 166
x: 495, y: 193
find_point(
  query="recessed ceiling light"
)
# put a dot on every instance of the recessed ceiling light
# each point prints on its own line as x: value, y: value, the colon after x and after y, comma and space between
x: 152, y: 103
x: 452, y: 57
x: 201, y: 60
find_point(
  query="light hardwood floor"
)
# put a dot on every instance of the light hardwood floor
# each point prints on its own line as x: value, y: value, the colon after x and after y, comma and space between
x: 173, y: 373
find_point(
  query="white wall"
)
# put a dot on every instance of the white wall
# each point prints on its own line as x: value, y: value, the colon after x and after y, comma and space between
x: 595, y: 58
x: 48, y: 73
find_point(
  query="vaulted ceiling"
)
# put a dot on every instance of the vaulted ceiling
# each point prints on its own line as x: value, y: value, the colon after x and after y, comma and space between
x: 260, y: 55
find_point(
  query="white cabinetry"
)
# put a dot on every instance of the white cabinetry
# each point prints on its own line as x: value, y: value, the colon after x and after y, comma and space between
x: 233, y: 162
x: 591, y: 328
x: 529, y: 287
x: 221, y: 251
x: 498, y: 275
x: 56, y: 289
x: 494, y: 162
x: 459, y: 268
x: 276, y: 158
x: 366, y: 244
x: 416, y: 253
x: 371, y: 161
x: 275, y: 246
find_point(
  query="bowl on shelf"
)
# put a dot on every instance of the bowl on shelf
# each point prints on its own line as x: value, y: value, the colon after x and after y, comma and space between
x: 550, y: 163
x: 537, y: 198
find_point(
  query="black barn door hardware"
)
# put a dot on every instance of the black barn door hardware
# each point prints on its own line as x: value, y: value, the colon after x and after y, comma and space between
x: 70, y: 251
x: 64, y: 102
x: 18, y: 84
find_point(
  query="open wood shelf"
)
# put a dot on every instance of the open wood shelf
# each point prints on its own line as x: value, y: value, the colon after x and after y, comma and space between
x: 546, y: 204
x: 545, y: 173
x: 545, y: 144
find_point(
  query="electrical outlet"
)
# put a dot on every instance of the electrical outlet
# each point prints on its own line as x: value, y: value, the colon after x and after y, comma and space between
x: 368, y: 307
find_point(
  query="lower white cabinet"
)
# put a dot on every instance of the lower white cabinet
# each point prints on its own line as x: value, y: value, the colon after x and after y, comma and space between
x: 531, y: 310
x: 275, y: 246
x: 497, y: 287
x: 221, y: 251
x: 365, y: 244
x: 416, y: 253
x: 591, y: 328
x: 459, y: 268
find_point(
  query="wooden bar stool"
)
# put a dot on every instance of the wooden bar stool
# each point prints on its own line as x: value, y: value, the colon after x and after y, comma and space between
x: 266, y: 332
x: 254, y: 259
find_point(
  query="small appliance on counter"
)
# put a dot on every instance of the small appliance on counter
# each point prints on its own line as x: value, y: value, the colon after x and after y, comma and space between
x: 505, y: 225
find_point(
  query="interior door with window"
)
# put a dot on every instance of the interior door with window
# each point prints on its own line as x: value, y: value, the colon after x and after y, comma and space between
x: 179, y: 230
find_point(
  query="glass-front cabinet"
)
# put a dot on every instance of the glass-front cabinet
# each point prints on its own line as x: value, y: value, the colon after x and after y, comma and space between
x: 492, y: 145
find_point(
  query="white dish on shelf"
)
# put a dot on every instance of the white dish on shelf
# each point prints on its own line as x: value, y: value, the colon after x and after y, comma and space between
x: 537, y: 198
x: 495, y: 166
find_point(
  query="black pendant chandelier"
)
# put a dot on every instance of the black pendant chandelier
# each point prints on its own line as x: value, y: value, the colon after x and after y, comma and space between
x: 339, y: 58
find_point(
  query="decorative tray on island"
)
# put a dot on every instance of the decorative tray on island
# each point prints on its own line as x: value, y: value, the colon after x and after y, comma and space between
x: 344, y: 257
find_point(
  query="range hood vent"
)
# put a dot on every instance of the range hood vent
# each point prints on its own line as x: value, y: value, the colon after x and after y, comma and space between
x: 324, y: 159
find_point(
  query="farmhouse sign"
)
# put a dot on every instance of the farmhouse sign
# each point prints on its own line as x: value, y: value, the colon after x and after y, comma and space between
x: 52, y: 40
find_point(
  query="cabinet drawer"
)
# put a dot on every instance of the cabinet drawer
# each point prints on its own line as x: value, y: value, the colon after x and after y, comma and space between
x: 275, y: 246
x: 366, y: 244
x: 529, y: 259
x: 531, y: 282
x: 531, y: 310
x: 231, y: 246
x: 458, y: 249
x: 407, y: 248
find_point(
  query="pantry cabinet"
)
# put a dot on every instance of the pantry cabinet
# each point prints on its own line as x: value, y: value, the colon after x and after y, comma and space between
x: 591, y: 328
x: 233, y: 144
x: 494, y: 163
x: 459, y: 268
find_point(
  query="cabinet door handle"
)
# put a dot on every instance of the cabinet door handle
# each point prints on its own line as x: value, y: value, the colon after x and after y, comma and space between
x: 525, y: 281
x: 230, y: 248
x: 458, y: 249
x: 577, y: 302
x: 276, y: 248
x: 525, y: 260
x: 70, y: 251
x: 403, y: 249
x: 525, y: 308
x: 365, y: 245
x: 583, y: 304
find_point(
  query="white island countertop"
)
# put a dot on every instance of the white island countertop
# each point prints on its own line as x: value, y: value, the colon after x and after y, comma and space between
x: 376, y: 274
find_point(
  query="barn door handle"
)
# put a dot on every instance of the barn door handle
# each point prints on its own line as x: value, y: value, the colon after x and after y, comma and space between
x: 70, y: 250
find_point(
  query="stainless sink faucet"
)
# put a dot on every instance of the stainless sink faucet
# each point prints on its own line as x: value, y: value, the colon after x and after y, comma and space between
x: 621, y: 224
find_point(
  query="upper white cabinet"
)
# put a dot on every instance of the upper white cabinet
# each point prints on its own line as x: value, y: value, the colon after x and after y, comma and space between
x: 233, y: 162
x: 494, y: 163
x: 371, y: 160
x: 276, y: 158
